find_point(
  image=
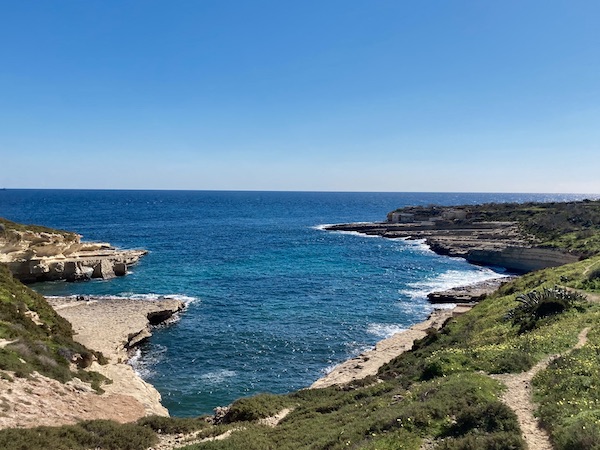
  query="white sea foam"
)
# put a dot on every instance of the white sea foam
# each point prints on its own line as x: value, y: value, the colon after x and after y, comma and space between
x: 152, y: 296
x: 129, y: 295
x: 448, y: 280
x: 143, y: 363
x: 327, y: 370
x: 323, y: 227
x: 384, y: 330
x: 418, y: 245
x: 218, y: 377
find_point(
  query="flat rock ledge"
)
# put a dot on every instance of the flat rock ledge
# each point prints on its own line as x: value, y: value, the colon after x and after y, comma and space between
x: 113, y: 327
x: 44, y: 256
x: 471, y: 293
x: 494, y: 244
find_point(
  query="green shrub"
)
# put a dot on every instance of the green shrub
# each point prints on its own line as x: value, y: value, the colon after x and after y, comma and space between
x: 492, y: 417
x: 495, y: 441
x: 255, y: 408
x: 173, y: 425
x: 512, y: 361
x: 97, y: 434
x: 581, y: 432
x: 538, y: 304
x: 397, y: 440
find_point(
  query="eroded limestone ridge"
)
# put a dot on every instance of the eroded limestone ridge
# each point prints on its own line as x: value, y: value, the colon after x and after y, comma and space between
x: 521, y: 238
x: 34, y: 253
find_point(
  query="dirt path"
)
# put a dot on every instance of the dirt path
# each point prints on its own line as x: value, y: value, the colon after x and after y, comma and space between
x: 518, y: 397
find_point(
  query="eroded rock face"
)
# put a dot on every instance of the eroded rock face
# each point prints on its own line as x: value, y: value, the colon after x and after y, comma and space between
x: 521, y: 259
x: 500, y: 244
x: 42, y: 256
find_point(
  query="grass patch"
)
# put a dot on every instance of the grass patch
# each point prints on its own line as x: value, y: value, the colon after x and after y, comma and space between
x: 569, y: 396
x: 97, y: 434
x: 255, y: 408
x: 7, y: 225
x: 47, y: 348
x: 173, y: 425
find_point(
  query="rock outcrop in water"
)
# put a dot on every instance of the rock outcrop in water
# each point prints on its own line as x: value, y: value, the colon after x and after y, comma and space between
x: 42, y: 254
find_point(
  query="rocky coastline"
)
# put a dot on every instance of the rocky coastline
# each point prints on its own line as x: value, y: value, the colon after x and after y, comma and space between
x: 113, y: 327
x: 495, y: 243
x: 369, y: 362
x: 36, y: 254
x: 471, y: 293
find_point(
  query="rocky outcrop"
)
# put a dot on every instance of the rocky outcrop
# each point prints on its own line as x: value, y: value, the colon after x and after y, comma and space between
x: 521, y: 259
x: 471, y: 293
x: 500, y: 244
x: 114, y: 326
x: 35, y: 255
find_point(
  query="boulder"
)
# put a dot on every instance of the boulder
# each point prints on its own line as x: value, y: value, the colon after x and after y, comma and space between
x: 104, y: 269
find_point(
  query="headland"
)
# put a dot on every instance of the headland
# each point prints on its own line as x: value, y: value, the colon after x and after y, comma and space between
x: 34, y: 253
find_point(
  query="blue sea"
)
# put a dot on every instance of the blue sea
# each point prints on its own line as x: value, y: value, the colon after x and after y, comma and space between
x: 274, y: 302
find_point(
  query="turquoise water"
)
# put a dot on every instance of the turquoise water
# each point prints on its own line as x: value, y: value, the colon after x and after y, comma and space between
x: 274, y: 301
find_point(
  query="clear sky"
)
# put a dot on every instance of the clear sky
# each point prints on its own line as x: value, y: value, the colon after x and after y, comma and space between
x: 345, y: 95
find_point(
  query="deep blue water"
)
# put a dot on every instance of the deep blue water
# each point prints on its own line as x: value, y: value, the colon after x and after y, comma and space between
x: 275, y: 301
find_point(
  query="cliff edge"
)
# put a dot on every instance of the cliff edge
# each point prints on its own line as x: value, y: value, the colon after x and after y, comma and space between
x: 33, y: 253
x: 519, y: 237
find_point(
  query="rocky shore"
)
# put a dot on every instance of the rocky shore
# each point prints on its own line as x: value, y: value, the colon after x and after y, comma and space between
x: 499, y: 244
x: 369, y: 362
x: 472, y: 293
x: 41, y: 254
x: 113, y: 327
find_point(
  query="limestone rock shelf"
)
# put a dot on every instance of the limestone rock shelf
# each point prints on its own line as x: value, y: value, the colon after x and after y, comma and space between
x: 499, y: 244
x: 471, y: 293
x: 46, y: 255
x: 113, y: 326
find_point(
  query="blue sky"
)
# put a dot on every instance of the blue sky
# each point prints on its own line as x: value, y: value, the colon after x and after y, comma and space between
x: 341, y: 95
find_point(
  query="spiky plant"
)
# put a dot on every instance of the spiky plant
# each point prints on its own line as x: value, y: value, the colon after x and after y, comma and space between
x: 538, y: 304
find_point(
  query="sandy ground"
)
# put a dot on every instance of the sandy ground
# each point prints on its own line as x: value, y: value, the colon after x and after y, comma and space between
x: 369, y: 362
x: 44, y: 401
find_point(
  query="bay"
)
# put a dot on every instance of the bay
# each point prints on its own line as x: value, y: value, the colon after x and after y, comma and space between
x: 274, y: 301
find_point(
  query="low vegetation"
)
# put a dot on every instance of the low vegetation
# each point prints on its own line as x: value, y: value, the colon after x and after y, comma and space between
x: 96, y: 434
x: 36, y: 339
x: 6, y: 225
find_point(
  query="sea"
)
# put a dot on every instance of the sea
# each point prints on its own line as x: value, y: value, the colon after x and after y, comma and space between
x: 274, y: 302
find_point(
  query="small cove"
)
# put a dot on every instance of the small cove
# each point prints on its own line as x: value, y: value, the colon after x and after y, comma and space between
x: 274, y: 300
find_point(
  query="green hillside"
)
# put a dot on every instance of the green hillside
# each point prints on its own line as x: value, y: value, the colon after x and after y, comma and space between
x: 35, y: 338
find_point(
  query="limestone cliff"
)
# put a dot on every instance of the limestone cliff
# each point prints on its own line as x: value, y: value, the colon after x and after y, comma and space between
x: 35, y: 253
x: 490, y: 243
